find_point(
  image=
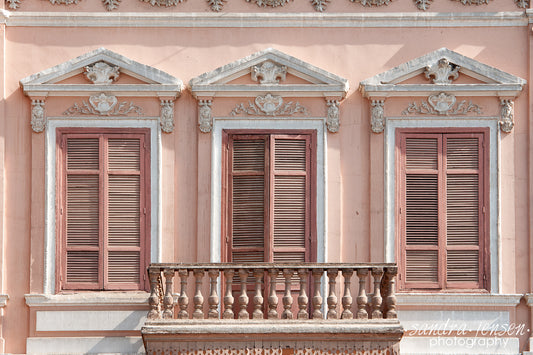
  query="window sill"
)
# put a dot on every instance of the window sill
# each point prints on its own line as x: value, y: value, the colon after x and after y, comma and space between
x: 458, y: 299
x: 134, y: 298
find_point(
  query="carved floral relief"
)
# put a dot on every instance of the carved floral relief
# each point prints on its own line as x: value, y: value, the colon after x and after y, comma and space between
x: 333, y: 119
x: 507, y: 116
x: 101, y: 73
x: 442, y: 72
x: 216, y: 5
x: 205, y: 117
x: 269, y: 105
x: 442, y: 104
x: 269, y: 72
x: 370, y: 3
x: 38, y: 118
x: 103, y: 105
x: 377, y: 116
x: 270, y: 3
x: 320, y: 5
x: 165, y: 3
x: 167, y: 116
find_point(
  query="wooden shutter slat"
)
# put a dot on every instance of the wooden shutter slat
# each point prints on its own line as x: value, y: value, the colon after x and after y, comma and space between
x: 248, y: 212
x: 124, y: 217
x: 249, y: 154
x: 83, y: 154
x: 463, y: 266
x: 82, y: 227
x: 462, y: 209
x: 290, y: 154
x: 422, y: 210
x: 422, y: 266
x: 82, y: 266
x: 289, y: 211
x: 462, y: 153
x: 124, y: 266
x: 421, y: 153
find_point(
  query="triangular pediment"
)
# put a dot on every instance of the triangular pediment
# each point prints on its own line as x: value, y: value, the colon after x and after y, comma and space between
x: 54, y: 81
x: 442, y: 68
x: 268, y: 70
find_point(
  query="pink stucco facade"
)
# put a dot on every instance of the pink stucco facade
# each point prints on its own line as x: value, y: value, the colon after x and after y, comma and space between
x: 356, y: 180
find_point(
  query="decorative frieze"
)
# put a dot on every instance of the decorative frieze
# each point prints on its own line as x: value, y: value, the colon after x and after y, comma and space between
x: 270, y: 3
x: 506, y: 115
x: 216, y: 5
x: 101, y: 73
x: 103, y: 105
x: 370, y: 3
x: 473, y: 2
x: 205, y: 117
x: 320, y: 5
x: 166, y: 119
x: 442, y: 104
x: 423, y: 4
x: 442, y: 72
x: 64, y: 2
x: 269, y: 72
x: 332, y: 119
x: 377, y: 116
x: 269, y: 105
x: 165, y: 3
x: 38, y: 118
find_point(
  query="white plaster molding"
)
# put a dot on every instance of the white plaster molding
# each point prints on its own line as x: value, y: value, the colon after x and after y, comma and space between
x: 529, y: 299
x: 84, y: 345
x: 101, y: 73
x: 38, y: 116
x: 104, y: 105
x: 90, y: 299
x: 166, y: 119
x: 69, y: 320
x: 371, y: 3
x: 458, y: 299
x: 3, y: 300
x: 264, y: 20
x: 164, y: 3
x: 269, y: 3
x: 442, y: 104
x: 377, y: 116
x: 269, y: 72
x: 506, y: 115
x: 269, y: 105
x: 333, y: 119
x: 205, y: 117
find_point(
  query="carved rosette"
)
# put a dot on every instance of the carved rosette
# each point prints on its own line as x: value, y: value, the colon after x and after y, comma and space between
x: 332, y: 119
x: 269, y: 72
x: 442, y: 72
x: 166, y: 119
x: 101, y: 73
x: 38, y: 117
x: 377, y: 116
x: 507, y: 115
x: 205, y: 117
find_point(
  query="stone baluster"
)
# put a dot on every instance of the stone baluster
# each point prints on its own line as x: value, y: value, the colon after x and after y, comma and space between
x: 168, y: 301
x: 213, y: 296
x: 243, y: 297
x: 228, y: 296
x: 153, y: 300
x: 258, y: 297
x: 198, y: 298
x: 287, y: 297
x: 377, y: 273
x: 391, y: 296
x: 303, y: 300
x: 347, y: 297
x: 183, y: 300
x: 362, y: 299
x: 332, y: 297
x: 317, y: 299
x: 273, y: 297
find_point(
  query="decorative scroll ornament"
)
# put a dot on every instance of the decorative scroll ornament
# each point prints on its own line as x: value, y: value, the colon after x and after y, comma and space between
x: 111, y: 5
x: 13, y: 4
x: 523, y: 4
x: 377, y: 116
x: 423, y: 4
x: 167, y: 116
x: 332, y: 120
x: 473, y: 2
x: 507, y: 116
x: 216, y: 5
x: 443, y: 72
x: 101, y: 73
x: 269, y: 72
x: 38, y: 119
x: 103, y: 105
x: 205, y: 118
x: 269, y: 105
x: 370, y: 3
x: 166, y: 3
x: 63, y: 2
x: 320, y: 5
x: 442, y: 104
x: 271, y: 3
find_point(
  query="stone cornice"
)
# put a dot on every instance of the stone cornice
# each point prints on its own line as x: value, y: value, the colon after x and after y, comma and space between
x: 3, y: 300
x: 458, y: 299
x: 88, y: 299
x: 270, y: 20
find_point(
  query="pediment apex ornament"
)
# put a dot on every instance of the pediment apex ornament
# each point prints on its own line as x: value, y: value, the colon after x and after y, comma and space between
x: 167, y: 116
x: 38, y: 117
x: 101, y: 73
x: 205, y: 117
x: 506, y: 115
x: 333, y: 116
x: 442, y: 72
x: 377, y: 116
x: 269, y: 105
x: 269, y: 72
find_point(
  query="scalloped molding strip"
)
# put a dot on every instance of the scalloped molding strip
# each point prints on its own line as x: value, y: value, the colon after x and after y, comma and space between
x: 217, y: 5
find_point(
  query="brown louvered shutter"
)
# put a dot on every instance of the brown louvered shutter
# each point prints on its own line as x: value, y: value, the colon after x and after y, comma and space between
x: 441, y: 219
x: 103, y: 217
x: 269, y: 197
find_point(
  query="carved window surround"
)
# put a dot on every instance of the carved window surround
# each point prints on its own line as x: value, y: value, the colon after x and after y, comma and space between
x: 438, y: 97
x: 271, y: 96
x: 101, y: 96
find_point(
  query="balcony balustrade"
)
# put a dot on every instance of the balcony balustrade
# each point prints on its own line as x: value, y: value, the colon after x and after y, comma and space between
x: 272, y: 308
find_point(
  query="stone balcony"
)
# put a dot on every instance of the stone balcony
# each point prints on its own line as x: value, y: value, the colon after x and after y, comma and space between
x: 272, y: 308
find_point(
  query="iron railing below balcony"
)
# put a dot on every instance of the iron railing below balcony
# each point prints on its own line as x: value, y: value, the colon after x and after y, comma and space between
x: 244, y: 279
